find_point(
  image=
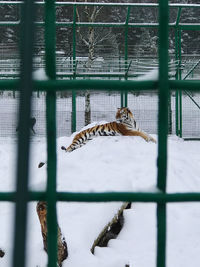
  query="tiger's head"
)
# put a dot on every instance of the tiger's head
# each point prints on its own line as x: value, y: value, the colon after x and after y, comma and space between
x: 124, y: 115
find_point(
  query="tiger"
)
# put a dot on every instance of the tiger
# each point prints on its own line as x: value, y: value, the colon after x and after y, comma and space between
x: 125, y: 124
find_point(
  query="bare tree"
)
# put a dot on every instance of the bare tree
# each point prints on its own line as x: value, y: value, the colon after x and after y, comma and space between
x: 91, y: 38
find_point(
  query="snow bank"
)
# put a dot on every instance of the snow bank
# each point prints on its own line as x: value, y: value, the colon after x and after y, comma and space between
x: 109, y: 164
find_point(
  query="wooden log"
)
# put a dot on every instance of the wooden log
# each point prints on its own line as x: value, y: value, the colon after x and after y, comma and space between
x: 2, y: 253
x: 62, y: 245
x: 112, y: 229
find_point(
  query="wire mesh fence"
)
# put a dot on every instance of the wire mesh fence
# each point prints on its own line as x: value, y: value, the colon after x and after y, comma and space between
x: 191, y: 115
x: 103, y: 109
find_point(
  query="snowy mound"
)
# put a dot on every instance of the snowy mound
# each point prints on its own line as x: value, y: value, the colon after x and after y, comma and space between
x: 109, y: 164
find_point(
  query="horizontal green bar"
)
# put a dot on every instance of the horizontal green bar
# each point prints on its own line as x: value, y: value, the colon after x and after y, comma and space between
x: 98, y: 75
x: 127, y: 4
x: 67, y: 24
x: 113, y: 85
x: 191, y: 139
x: 88, y: 24
x: 9, y: 84
x: 128, y: 196
x: 33, y: 196
x: 104, y: 4
x: 130, y: 25
x: 109, y: 196
x: 187, y: 27
x: 7, y: 196
x: 190, y: 85
x: 182, y: 26
x: 9, y: 23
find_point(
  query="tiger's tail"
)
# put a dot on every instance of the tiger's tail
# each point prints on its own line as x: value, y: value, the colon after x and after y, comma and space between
x: 41, y: 164
x: 83, y: 137
x: 68, y: 149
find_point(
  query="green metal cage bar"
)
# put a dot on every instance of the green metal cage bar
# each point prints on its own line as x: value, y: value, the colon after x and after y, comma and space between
x: 22, y: 195
x: 124, y: 96
x: 73, y: 126
x: 101, y: 85
x: 162, y: 129
x: 50, y: 44
x: 109, y: 196
x: 26, y: 87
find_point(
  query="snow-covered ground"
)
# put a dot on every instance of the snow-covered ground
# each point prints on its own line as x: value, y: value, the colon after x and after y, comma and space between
x: 109, y: 164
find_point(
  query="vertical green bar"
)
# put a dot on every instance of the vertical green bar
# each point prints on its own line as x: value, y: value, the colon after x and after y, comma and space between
x: 177, y: 114
x: 126, y: 38
x: 180, y: 114
x: 180, y: 92
x: 51, y: 182
x: 163, y: 94
x: 26, y: 87
x: 121, y: 93
x: 50, y: 41
x: 162, y: 129
x: 73, y: 111
x: 177, y: 77
x: 74, y: 35
x: 122, y: 99
x: 74, y: 70
x: 125, y: 101
x: 177, y: 51
x: 170, y: 114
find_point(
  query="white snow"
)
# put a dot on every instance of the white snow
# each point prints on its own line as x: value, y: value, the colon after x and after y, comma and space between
x: 109, y: 164
x: 150, y: 75
x: 40, y: 74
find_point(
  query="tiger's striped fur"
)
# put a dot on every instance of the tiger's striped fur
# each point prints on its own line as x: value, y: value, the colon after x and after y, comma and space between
x: 125, y: 124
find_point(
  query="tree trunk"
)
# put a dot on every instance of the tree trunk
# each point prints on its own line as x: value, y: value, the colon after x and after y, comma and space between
x: 62, y: 245
x: 89, y: 67
x: 87, y: 108
x: 112, y: 229
x: 91, y: 46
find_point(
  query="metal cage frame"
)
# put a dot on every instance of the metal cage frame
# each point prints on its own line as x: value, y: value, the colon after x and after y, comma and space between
x: 163, y: 86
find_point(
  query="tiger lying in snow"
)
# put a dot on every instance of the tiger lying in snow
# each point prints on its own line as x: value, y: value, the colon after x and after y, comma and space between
x: 125, y: 124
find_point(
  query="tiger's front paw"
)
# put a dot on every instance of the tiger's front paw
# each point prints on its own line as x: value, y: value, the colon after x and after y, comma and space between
x: 151, y: 139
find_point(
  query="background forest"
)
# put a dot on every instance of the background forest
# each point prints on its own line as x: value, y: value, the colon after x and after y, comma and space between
x: 106, y: 41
